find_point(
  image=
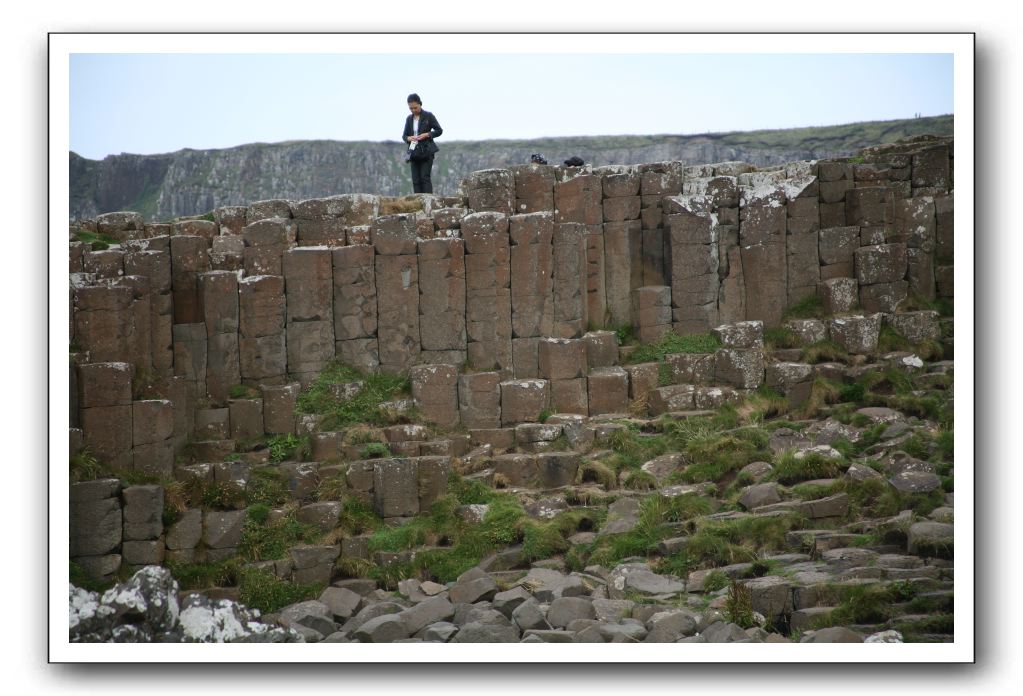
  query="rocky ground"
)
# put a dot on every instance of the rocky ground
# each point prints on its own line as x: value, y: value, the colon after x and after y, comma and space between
x: 815, y: 509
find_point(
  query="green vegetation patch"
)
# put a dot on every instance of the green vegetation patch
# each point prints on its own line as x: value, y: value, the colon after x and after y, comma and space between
x: 84, y: 466
x: 741, y: 540
x: 201, y: 576
x: 813, y: 465
x: 267, y: 486
x: 265, y: 540
x: 362, y: 407
x: 656, y: 521
x: 825, y: 351
x: 776, y: 337
x: 711, y: 457
x: 262, y: 590
x: 673, y: 343
x: 242, y: 391
x: 876, y: 498
x: 98, y: 242
x: 288, y: 447
x: 739, y: 605
x: 811, y: 307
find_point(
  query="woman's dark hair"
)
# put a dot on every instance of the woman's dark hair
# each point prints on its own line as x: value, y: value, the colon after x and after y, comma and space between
x: 414, y: 98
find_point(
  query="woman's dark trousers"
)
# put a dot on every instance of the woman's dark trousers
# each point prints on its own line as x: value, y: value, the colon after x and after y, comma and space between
x: 421, y: 175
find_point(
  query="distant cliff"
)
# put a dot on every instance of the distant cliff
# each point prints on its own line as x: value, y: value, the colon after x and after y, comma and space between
x: 192, y: 182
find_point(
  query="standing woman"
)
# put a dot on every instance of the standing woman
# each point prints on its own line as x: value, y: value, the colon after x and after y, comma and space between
x: 421, y: 127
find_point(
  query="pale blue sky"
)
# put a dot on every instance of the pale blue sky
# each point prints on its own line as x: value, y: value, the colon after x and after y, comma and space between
x: 154, y: 103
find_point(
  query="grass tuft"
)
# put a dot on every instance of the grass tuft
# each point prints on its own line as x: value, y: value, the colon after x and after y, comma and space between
x: 788, y: 469
x: 811, y: 307
x: 673, y: 343
x: 361, y: 408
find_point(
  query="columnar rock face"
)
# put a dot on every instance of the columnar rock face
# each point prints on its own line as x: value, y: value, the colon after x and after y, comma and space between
x: 266, y: 240
x: 397, y: 281
x: 308, y: 278
x: 577, y: 198
x: 152, y: 437
x: 563, y: 363
x: 623, y: 272
x: 836, y: 246
x: 651, y: 312
x: 139, y: 340
x: 657, y: 180
x: 267, y: 294
x: 534, y: 188
x: 839, y: 295
x: 355, y: 306
x: 570, y: 293
x: 694, y: 267
x: 762, y: 228
x: 596, y: 291
x: 442, y: 300
x: 155, y: 265
x: 479, y: 399
x: 917, y: 326
x: 522, y: 400
x: 532, y: 286
x: 103, y: 321
x: 435, y: 390
x: 608, y: 390
x: 219, y: 296
x: 261, y: 338
x: 96, y: 525
x: 856, y: 334
x: 188, y: 260
x: 106, y: 411
x: 880, y: 272
x: 601, y: 348
x: 279, y: 408
x: 491, y: 190
x: 227, y: 253
x: 916, y: 225
x: 488, y: 291
x: 314, y: 226
x: 803, y: 225
x: 396, y: 487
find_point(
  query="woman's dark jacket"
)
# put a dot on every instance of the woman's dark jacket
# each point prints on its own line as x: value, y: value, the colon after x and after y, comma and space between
x: 427, y: 123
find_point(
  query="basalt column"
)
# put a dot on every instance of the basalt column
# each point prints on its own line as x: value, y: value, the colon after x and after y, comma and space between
x: 442, y: 301
x: 189, y: 258
x: 397, y: 280
x: 532, y: 287
x: 308, y: 280
x: 355, y: 306
x: 762, y: 228
x: 803, y: 273
x: 623, y: 268
x: 218, y: 291
x: 488, y: 310
x: 569, y: 280
x: 154, y: 263
x: 261, y: 342
x: 694, y: 267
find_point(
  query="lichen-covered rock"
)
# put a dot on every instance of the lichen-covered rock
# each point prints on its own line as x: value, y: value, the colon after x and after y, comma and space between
x: 856, y: 334
x: 917, y: 326
x: 743, y: 334
x: 146, y: 609
x: 637, y: 578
